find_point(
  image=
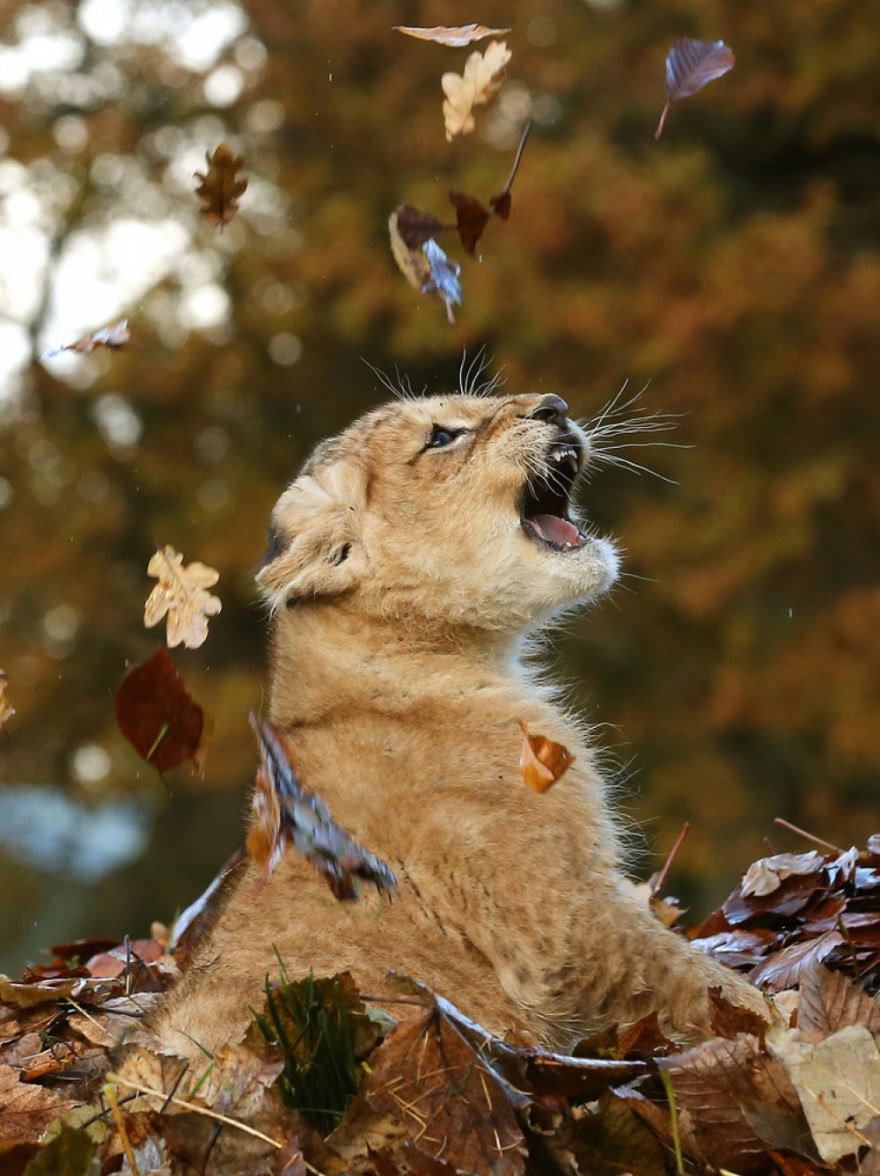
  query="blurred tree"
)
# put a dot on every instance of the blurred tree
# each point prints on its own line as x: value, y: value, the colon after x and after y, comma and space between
x: 734, y: 265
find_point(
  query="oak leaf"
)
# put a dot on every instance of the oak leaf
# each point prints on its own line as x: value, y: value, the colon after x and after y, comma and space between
x: 285, y: 815
x: 6, y: 708
x: 454, y: 37
x: 425, y: 266
x: 690, y: 65
x: 483, y: 74
x: 542, y: 761
x: 157, y: 715
x: 220, y: 186
x: 182, y: 594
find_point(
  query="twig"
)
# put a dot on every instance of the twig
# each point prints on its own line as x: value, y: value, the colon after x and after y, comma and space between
x: 515, y: 168
x: 803, y: 833
x: 110, y: 1092
x: 673, y: 854
x: 673, y: 1120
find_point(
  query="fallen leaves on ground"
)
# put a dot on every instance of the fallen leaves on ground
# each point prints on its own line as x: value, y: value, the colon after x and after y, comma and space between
x: 429, y: 1091
x: 541, y: 761
x: 482, y: 75
x: 182, y: 596
x: 285, y: 816
x: 690, y: 65
x: 220, y: 185
x: 157, y: 715
x: 454, y: 37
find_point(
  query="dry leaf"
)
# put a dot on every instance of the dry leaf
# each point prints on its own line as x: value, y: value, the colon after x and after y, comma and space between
x: 838, y: 1083
x: 284, y: 815
x: 181, y: 593
x: 425, y: 266
x: 116, y: 335
x: 690, y: 65
x: 6, y: 710
x: 156, y: 714
x: 766, y: 875
x: 471, y: 219
x: 455, y: 37
x: 481, y: 78
x: 829, y: 1002
x: 542, y: 761
x: 219, y: 189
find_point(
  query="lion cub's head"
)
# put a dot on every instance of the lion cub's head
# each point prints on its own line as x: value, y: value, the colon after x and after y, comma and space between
x: 450, y: 508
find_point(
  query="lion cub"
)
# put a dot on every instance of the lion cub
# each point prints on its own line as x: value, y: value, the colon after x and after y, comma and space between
x: 408, y: 561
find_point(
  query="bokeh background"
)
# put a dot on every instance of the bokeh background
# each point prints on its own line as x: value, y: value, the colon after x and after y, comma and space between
x: 733, y: 265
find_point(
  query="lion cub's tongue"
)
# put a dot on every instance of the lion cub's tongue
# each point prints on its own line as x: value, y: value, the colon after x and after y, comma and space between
x: 557, y: 530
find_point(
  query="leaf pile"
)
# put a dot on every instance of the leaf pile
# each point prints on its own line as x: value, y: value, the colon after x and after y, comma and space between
x: 794, y: 910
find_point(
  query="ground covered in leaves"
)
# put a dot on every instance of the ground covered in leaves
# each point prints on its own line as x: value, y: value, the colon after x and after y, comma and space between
x: 325, y: 1081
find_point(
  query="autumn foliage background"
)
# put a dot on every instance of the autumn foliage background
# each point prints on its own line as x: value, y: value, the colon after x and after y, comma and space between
x: 734, y: 265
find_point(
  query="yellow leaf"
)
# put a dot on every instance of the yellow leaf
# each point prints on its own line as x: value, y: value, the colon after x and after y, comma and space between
x: 481, y: 78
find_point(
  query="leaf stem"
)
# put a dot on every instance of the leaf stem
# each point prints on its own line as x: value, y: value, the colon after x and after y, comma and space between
x: 515, y: 168
x: 673, y: 854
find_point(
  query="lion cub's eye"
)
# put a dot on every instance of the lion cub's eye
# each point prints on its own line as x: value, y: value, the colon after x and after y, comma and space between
x: 441, y: 437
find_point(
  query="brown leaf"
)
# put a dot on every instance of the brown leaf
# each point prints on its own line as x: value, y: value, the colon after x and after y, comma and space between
x: 541, y: 761
x: 483, y: 74
x: 25, y: 1110
x: 838, y: 1082
x: 424, y: 265
x: 157, y: 715
x: 455, y: 37
x: 766, y: 875
x: 613, y: 1139
x: 450, y: 1101
x: 285, y: 815
x: 25, y: 996
x: 471, y: 219
x: 783, y: 969
x: 729, y: 1020
x: 829, y: 1002
x: 6, y: 709
x: 737, y: 1099
x: 181, y: 594
x: 690, y: 65
x: 219, y: 188
x: 114, y: 336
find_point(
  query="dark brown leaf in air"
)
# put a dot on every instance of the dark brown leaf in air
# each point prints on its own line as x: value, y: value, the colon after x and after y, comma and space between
x: 471, y: 219
x: 157, y: 715
x: 690, y: 65
x: 417, y: 227
x: 220, y: 188
x: 426, y: 267
x: 284, y: 815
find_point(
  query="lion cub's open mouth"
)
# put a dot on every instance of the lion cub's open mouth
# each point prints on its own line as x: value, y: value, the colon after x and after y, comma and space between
x: 545, y: 510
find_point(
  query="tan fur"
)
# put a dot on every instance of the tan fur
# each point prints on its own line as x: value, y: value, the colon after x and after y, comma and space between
x: 401, y: 587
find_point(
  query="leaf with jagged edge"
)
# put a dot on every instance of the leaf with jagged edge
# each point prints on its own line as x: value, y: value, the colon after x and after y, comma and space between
x: 483, y: 74
x: 220, y: 185
x: 830, y: 1001
x: 182, y: 595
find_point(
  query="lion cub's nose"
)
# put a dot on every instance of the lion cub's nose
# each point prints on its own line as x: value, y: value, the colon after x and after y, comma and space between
x: 552, y: 409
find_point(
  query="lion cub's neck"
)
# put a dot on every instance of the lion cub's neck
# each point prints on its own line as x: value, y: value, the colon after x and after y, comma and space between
x: 326, y: 658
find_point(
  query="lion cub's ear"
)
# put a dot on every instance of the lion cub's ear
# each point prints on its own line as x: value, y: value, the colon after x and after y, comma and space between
x: 316, y: 546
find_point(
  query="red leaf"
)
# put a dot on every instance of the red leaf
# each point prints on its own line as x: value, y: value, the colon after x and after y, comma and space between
x: 471, y: 219
x: 157, y: 715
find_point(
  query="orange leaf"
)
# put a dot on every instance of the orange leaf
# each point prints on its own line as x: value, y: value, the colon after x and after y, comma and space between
x: 542, y: 761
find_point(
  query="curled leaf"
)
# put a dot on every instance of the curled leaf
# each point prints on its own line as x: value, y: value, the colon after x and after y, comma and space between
x: 483, y: 74
x: 542, y: 761
x: 116, y: 335
x: 690, y: 65
x: 285, y: 815
x: 220, y: 186
x: 181, y: 594
x: 454, y: 37
x: 6, y: 709
x: 426, y: 267
x: 767, y: 874
x: 156, y: 714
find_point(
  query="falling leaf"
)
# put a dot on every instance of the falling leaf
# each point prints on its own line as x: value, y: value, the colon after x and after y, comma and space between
x: 838, y: 1083
x: 417, y: 227
x: 156, y: 714
x: 471, y: 218
x: 6, y: 709
x: 455, y: 37
x: 425, y: 266
x: 542, y: 761
x: 690, y: 65
x: 182, y: 594
x: 766, y: 875
x: 116, y: 335
x: 284, y: 815
x: 481, y: 78
x: 219, y: 189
